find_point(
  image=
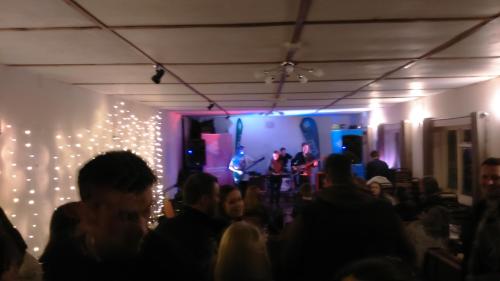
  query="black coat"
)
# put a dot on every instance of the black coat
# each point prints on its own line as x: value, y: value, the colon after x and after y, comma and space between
x: 183, y: 246
x: 342, y: 225
x: 377, y: 167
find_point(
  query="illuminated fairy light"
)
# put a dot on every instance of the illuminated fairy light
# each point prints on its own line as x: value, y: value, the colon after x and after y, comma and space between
x: 122, y: 129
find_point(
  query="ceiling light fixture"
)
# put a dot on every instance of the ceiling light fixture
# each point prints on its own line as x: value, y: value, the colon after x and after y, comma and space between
x: 160, y: 71
x: 289, y: 69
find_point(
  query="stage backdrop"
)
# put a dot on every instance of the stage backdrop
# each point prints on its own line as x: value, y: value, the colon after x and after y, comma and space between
x: 219, y: 149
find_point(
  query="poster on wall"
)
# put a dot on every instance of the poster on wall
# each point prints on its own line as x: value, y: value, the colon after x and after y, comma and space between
x: 218, y: 156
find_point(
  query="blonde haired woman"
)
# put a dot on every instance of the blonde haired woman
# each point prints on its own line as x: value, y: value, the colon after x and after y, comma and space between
x: 242, y: 255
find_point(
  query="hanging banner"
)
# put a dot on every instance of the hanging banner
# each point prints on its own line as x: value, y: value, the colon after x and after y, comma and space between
x: 239, y: 132
x: 310, y: 133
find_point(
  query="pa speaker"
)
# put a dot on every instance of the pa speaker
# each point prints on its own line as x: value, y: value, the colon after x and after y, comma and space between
x: 195, y: 153
x: 352, y: 147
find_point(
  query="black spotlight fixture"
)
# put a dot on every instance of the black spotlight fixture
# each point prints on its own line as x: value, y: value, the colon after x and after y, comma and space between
x: 210, y: 106
x: 227, y: 117
x: 160, y: 71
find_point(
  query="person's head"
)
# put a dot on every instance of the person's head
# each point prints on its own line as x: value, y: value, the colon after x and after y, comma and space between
x: 12, y: 249
x: 337, y: 169
x: 276, y: 155
x: 430, y: 186
x: 375, y: 188
x: 283, y: 151
x: 490, y: 178
x: 240, y: 150
x: 252, y: 197
x: 305, y: 148
x: 231, y: 203
x: 242, y: 254
x: 65, y: 227
x: 116, y: 191
x: 201, y: 191
x: 374, y: 154
x: 375, y: 269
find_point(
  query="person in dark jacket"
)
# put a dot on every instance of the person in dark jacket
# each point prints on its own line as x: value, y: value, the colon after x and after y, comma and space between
x: 116, y: 192
x: 376, y: 167
x: 12, y: 249
x: 490, y: 198
x: 186, y: 244
x: 342, y: 225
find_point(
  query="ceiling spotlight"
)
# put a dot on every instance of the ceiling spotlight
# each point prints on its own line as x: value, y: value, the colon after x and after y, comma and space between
x: 160, y: 71
x: 227, y: 117
x: 210, y: 106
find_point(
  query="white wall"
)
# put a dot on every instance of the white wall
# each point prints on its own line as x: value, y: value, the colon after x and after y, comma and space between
x: 172, y: 130
x: 31, y: 187
x: 483, y: 96
x: 264, y: 134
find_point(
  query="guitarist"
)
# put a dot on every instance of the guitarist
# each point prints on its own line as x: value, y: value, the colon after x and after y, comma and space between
x: 302, y: 164
x: 276, y: 171
x: 238, y: 165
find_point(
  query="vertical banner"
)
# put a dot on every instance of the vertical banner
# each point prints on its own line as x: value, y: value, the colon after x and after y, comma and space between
x: 239, y: 132
x: 218, y: 149
x: 310, y: 133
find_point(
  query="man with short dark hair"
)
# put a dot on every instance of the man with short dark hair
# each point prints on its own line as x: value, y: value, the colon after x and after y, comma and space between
x: 489, y: 180
x: 344, y: 224
x: 116, y: 191
x: 284, y: 158
x: 376, y: 167
x: 186, y: 244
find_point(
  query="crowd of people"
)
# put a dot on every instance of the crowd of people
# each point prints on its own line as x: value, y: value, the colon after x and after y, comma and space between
x: 348, y: 230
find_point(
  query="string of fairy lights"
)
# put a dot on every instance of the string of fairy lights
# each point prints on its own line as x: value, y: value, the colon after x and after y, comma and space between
x: 40, y: 183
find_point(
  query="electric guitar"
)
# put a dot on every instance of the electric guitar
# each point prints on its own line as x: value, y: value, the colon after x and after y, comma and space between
x: 304, y: 169
x: 238, y: 176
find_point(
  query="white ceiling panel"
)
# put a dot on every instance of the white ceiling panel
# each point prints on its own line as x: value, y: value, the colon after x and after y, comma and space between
x: 350, y: 70
x: 202, y: 45
x: 313, y: 95
x: 455, y: 67
x: 305, y: 103
x: 376, y: 40
x: 247, y: 88
x: 396, y: 94
x: 227, y: 104
x: 124, y: 89
x: 485, y: 42
x: 368, y: 9
x: 165, y: 98
x: 372, y: 102
x: 243, y: 98
x: 99, y: 73
x: 36, y: 13
x: 64, y: 46
x: 221, y: 73
x: 323, y: 86
x: 425, y: 83
x: 156, y: 12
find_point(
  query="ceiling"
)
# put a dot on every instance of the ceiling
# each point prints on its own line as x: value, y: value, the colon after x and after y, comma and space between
x: 371, y: 53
